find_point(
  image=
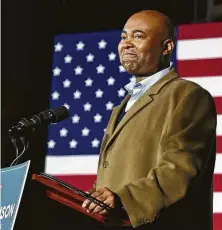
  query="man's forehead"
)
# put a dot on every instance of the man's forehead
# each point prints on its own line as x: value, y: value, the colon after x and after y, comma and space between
x: 144, y: 21
x: 136, y: 23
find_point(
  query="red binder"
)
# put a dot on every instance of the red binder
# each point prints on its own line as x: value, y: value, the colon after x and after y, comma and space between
x: 73, y: 197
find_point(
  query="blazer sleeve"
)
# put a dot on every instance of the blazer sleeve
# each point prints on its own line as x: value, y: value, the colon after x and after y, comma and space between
x: 185, y: 150
x: 94, y: 185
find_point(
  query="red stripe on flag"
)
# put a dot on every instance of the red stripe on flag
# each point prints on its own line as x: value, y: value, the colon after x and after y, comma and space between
x: 217, y: 182
x: 83, y: 182
x: 199, y: 68
x: 218, y: 103
x: 217, y: 220
x: 219, y: 144
x: 195, y: 31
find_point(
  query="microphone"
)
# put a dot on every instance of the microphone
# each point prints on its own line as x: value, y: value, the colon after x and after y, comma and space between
x: 26, y: 126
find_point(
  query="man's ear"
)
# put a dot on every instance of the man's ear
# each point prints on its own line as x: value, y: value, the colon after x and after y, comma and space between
x: 168, y: 46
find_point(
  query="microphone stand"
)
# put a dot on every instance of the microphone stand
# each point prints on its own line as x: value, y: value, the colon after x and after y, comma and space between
x: 16, y: 139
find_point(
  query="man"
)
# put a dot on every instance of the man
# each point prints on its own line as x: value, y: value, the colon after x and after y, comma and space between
x: 157, y: 156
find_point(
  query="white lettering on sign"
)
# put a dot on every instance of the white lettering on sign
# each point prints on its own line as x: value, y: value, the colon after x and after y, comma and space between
x: 7, y: 211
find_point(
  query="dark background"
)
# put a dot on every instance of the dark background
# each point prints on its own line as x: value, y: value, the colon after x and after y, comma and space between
x: 28, y: 29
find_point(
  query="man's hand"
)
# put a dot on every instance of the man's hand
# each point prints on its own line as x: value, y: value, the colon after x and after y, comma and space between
x: 90, y: 191
x: 106, y: 196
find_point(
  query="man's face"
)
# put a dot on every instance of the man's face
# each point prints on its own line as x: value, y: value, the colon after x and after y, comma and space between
x: 140, y: 48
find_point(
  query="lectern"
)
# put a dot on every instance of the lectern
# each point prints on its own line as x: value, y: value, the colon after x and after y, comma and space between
x: 72, y: 197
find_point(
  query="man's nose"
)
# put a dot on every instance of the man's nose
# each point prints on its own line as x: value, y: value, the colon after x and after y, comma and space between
x: 127, y: 44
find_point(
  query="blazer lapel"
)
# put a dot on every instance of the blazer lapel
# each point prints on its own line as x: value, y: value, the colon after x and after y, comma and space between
x: 115, y: 113
x: 139, y: 104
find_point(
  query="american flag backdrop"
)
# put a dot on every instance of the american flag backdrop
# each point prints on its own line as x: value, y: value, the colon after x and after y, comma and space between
x: 88, y: 79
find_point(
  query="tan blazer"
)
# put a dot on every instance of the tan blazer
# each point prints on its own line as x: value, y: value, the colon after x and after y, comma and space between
x: 160, y: 158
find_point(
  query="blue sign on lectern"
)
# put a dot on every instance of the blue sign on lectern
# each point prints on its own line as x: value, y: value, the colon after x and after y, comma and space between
x: 11, y: 189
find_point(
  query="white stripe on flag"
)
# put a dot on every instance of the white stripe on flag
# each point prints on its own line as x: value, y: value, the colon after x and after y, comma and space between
x: 217, y: 202
x: 219, y: 125
x: 218, y: 164
x: 87, y: 165
x: 212, y: 84
x: 199, y: 49
x: 65, y: 165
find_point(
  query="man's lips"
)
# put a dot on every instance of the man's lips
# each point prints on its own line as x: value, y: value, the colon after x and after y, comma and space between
x: 129, y: 56
x: 129, y: 53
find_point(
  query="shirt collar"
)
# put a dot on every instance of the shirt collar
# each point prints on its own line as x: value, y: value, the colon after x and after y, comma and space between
x: 136, y: 89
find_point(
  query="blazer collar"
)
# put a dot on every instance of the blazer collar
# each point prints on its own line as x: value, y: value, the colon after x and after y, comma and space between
x: 162, y: 82
x: 143, y: 101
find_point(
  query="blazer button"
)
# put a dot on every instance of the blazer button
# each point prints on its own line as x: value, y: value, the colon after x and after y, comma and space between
x: 105, y: 164
x: 172, y: 166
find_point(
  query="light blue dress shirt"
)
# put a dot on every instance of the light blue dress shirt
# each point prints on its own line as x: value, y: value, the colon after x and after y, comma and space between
x: 136, y: 90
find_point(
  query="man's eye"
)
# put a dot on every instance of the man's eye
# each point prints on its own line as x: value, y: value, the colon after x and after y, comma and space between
x: 138, y: 36
x: 123, y: 37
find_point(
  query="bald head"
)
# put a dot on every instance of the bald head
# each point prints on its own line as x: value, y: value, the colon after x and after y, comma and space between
x: 159, y: 21
x: 147, y: 42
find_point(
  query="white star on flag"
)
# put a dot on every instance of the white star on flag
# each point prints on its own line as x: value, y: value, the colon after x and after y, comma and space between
x: 95, y: 143
x: 99, y: 93
x: 51, y: 144
x: 73, y: 143
x: 58, y: 47
x: 112, y: 56
x: 87, y: 106
x: 97, y: 118
x: 102, y: 44
x: 66, y: 105
x: 55, y: 95
x: 88, y: 82
x: 121, y: 93
x: 77, y: 94
x: 85, y: 132
x: 75, y: 119
x: 121, y: 69
x: 68, y: 59
x: 90, y: 57
x: 66, y: 83
x: 100, y: 69
x: 63, y: 132
x: 78, y: 70
x: 56, y: 71
x: 133, y: 79
x: 109, y: 105
x: 80, y: 45
x: 111, y: 81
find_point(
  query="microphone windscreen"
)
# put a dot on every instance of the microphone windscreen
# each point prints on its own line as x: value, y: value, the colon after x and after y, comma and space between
x: 60, y: 113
